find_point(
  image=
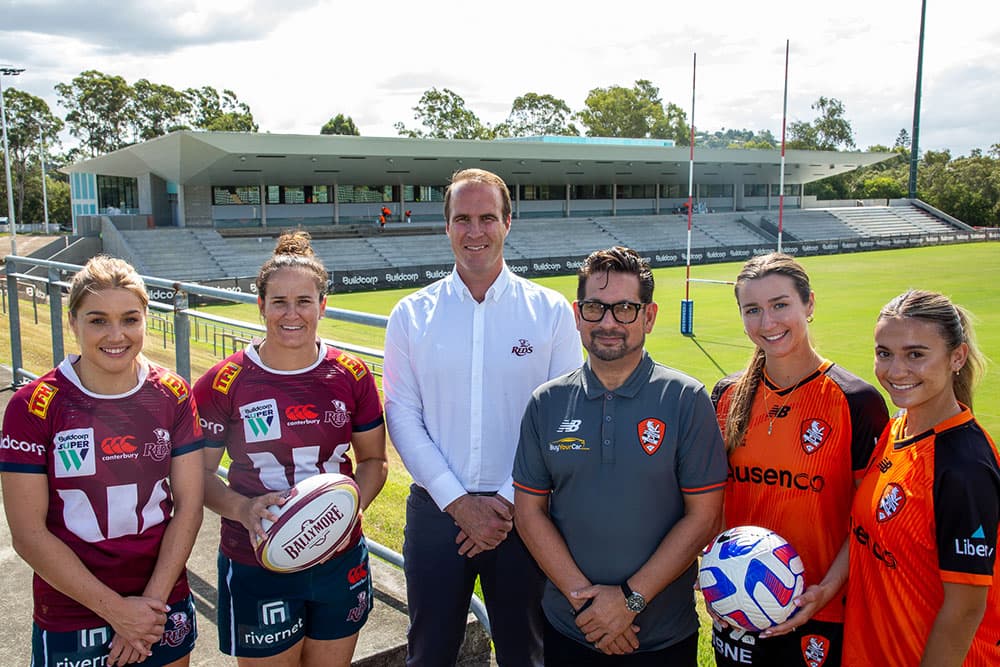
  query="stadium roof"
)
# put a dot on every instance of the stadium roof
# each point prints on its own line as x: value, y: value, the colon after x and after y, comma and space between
x: 235, y: 158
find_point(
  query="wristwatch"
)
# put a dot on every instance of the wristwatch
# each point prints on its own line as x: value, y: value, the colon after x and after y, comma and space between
x: 633, y: 601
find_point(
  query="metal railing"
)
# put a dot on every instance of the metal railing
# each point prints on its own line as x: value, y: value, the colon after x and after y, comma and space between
x: 53, y: 283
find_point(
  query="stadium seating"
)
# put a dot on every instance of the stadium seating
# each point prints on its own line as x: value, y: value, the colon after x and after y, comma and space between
x: 205, y: 254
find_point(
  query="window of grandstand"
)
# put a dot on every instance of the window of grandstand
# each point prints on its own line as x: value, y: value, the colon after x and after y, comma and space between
x: 542, y: 192
x: 591, y: 191
x: 636, y: 191
x: 119, y: 193
x: 673, y: 190
x: 235, y: 194
x: 755, y: 189
x: 298, y: 194
x: 363, y: 194
x: 790, y: 190
x: 423, y: 192
x: 716, y: 190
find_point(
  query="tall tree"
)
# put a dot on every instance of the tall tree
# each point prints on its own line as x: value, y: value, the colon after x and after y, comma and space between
x: 340, y: 124
x: 28, y: 120
x: 219, y: 112
x: 828, y: 132
x: 158, y: 109
x: 636, y: 112
x: 444, y: 115
x: 532, y: 114
x: 100, y: 110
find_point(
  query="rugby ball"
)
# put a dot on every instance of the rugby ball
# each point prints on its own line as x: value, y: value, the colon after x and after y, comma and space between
x: 750, y: 576
x: 315, y: 522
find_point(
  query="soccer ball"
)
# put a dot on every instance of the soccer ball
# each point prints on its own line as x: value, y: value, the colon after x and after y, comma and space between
x: 749, y: 576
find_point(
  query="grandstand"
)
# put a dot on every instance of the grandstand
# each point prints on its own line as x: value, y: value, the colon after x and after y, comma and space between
x: 201, y: 254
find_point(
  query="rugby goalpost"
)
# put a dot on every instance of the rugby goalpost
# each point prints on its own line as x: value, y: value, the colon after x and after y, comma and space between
x: 687, y: 303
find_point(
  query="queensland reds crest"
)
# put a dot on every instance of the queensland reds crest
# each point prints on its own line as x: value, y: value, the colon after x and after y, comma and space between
x: 651, y: 434
x: 815, y: 649
x: 178, y: 627
x: 892, y: 500
x: 814, y: 433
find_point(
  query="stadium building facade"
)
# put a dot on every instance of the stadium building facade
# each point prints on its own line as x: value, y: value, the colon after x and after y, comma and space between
x: 248, y: 180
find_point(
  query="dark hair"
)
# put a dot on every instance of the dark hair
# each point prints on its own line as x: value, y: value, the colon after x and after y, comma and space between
x: 617, y: 259
x: 103, y: 272
x: 954, y: 323
x: 755, y: 268
x: 478, y: 176
x: 292, y: 250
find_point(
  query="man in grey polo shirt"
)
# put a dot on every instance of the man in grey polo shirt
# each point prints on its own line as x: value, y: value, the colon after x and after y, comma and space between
x: 619, y: 479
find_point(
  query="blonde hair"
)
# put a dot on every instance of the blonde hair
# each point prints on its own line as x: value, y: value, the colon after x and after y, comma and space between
x: 954, y: 323
x: 104, y: 272
x: 743, y: 392
x: 293, y: 250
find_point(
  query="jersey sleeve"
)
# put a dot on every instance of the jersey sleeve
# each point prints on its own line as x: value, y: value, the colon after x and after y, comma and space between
x: 25, y: 436
x: 966, y: 513
x: 531, y: 475
x: 187, y: 433
x: 701, y: 453
x: 869, y: 416
x: 212, y: 398
x: 368, y: 408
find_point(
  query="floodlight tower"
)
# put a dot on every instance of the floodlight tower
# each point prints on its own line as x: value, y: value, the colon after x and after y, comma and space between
x: 915, y: 139
x: 8, y: 70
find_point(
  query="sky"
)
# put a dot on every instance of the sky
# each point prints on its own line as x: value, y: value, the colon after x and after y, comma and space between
x: 297, y: 63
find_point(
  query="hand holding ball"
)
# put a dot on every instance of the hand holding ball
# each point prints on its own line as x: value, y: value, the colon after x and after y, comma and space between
x: 314, y: 524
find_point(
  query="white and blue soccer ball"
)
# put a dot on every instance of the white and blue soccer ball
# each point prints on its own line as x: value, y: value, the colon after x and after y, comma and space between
x: 750, y: 577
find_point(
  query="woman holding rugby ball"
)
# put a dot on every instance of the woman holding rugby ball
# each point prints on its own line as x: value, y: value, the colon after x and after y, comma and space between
x: 286, y: 408
x: 799, y: 430
x: 101, y: 466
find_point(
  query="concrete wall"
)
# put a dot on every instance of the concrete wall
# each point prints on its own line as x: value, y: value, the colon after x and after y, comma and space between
x: 195, y: 202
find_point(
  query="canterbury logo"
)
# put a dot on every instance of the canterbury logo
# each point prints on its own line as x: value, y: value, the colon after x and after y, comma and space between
x: 41, y: 398
x: 119, y: 444
x: 357, y: 574
x: 299, y: 412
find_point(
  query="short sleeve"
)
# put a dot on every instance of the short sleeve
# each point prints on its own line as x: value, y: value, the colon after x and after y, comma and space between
x: 211, y: 396
x: 702, y: 456
x: 531, y: 475
x: 25, y: 437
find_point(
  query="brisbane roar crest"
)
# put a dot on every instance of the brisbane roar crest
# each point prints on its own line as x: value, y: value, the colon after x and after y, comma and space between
x: 815, y: 649
x: 813, y: 433
x: 651, y: 432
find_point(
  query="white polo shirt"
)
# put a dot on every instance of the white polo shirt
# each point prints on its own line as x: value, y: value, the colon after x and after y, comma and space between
x: 458, y: 375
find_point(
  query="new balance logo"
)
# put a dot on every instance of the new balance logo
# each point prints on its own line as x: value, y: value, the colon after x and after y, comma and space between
x: 779, y: 411
x: 569, y: 426
x: 884, y: 465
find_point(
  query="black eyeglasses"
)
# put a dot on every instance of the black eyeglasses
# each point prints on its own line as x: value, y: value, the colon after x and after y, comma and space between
x: 624, y: 312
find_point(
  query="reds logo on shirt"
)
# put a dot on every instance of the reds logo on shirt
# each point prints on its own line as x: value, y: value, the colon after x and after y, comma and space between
x: 814, y: 433
x: 651, y: 434
x: 160, y: 449
x: 815, y: 649
x: 892, y: 500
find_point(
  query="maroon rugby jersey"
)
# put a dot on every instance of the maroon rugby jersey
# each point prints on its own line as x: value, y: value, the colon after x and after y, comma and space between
x: 281, y: 427
x: 107, y: 460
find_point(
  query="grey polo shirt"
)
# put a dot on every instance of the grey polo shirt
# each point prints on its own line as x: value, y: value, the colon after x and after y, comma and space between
x: 617, y: 465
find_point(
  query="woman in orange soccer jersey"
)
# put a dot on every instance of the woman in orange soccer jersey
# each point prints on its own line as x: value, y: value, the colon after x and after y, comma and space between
x: 285, y: 409
x: 925, y: 586
x: 798, y: 431
x: 101, y: 466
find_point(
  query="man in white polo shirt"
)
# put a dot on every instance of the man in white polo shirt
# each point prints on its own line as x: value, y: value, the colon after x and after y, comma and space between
x: 462, y: 357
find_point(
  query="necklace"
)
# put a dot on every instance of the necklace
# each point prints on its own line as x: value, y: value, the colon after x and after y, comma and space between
x: 780, y: 411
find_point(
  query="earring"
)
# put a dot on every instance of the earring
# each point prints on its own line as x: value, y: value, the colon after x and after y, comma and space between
x: 809, y: 320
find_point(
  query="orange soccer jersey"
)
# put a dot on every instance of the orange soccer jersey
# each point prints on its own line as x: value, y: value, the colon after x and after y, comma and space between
x: 795, y: 473
x: 926, y: 513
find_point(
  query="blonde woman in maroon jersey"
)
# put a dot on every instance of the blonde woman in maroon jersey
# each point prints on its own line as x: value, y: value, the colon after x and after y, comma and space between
x: 101, y: 469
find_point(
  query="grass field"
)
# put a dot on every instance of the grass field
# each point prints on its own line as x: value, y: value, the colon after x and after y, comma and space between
x: 850, y: 290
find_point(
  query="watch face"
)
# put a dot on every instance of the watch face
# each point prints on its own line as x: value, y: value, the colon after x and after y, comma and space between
x: 635, y: 602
